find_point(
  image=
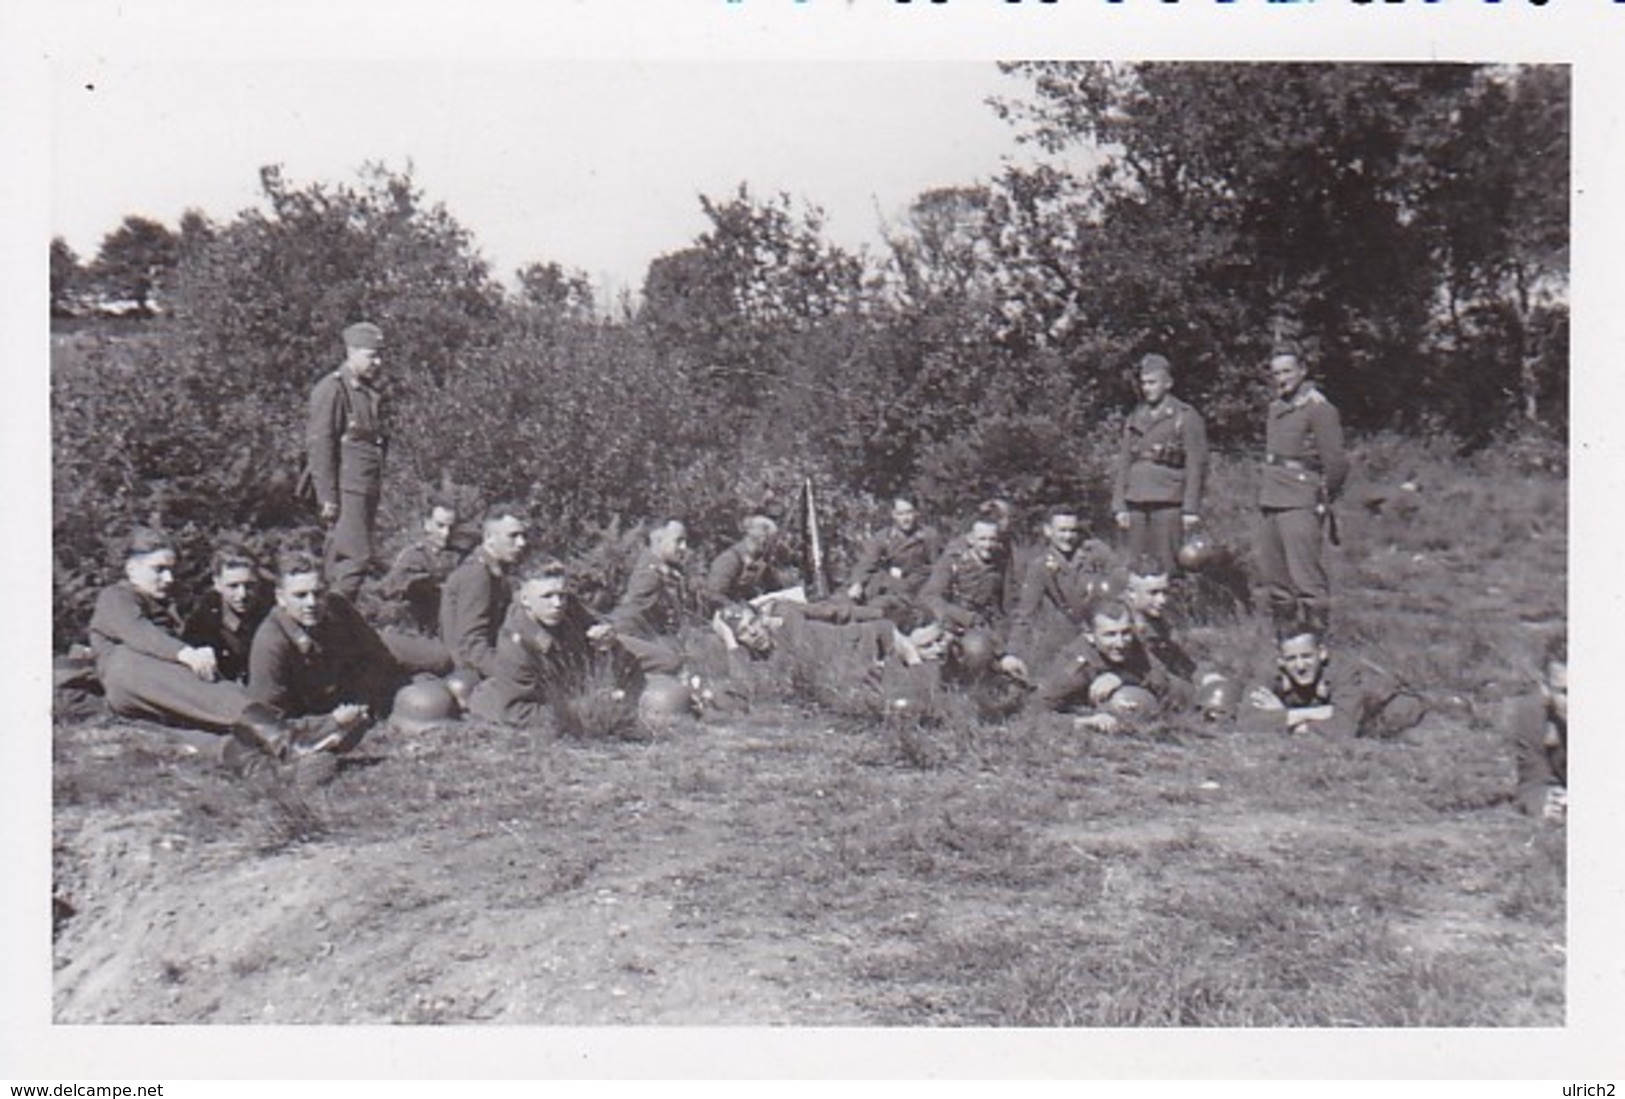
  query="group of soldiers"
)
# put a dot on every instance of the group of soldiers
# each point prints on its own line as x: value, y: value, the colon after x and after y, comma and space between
x: 500, y: 634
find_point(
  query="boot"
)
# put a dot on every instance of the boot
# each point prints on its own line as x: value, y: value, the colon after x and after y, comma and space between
x: 261, y: 728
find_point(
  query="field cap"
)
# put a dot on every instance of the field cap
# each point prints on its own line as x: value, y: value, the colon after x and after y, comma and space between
x: 1154, y: 361
x: 364, y: 336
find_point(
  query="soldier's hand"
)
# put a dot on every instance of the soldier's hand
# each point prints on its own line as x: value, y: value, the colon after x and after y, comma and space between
x: 855, y: 593
x: 1100, y: 723
x: 349, y: 714
x: 601, y: 634
x: 201, y: 661
x: 329, y: 511
x: 1260, y: 699
x: 1190, y: 519
x: 1012, y: 666
x: 1122, y: 520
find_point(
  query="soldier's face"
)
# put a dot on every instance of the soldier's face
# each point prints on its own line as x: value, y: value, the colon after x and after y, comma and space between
x: 1301, y: 659
x: 983, y: 540
x: 1154, y: 385
x: 1111, y: 638
x: 1288, y: 374
x: 544, y: 599
x: 931, y: 642
x: 1064, y: 532
x: 437, y: 527
x: 904, y: 517
x: 1556, y: 689
x: 1148, y: 595
x: 754, y: 634
x: 236, y: 587
x: 671, y: 543
x: 300, y: 597
x: 152, y: 574
x: 505, y: 539
x: 365, y: 362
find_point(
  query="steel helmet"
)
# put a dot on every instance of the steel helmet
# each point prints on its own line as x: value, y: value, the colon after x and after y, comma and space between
x: 1196, y: 552
x: 665, y: 698
x: 976, y: 652
x: 422, y: 704
x: 1132, y: 702
x: 1218, y: 696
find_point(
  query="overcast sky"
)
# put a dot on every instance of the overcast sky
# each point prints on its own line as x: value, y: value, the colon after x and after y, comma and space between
x: 594, y: 164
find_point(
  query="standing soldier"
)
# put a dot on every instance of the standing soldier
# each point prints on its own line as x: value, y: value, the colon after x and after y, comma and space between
x: 895, y: 564
x: 346, y: 442
x: 1304, y: 472
x: 1160, y: 467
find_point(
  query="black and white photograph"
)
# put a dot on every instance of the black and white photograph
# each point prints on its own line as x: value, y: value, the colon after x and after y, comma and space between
x: 1015, y: 543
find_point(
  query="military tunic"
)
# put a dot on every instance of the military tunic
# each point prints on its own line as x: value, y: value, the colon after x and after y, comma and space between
x: 346, y: 441
x: 1361, y: 702
x: 1161, y: 470
x: 416, y: 579
x: 896, y: 564
x: 473, y: 605
x: 1304, y: 471
x: 207, y: 625
x: 137, y: 643
x: 305, y: 673
x: 966, y: 592
x: 1065, y: 686
x: 1061, y: 585
x: 737, y: 576
x: 650, y: 614
x: 534, y: 665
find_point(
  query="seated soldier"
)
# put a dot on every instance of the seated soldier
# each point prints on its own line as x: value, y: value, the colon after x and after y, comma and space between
x: 1107, y: 658
x: 420, y: 570
x: 1060, y: 581
x: 547, y: 648
x: 1146, y: 592
x: 1310, y: 692
x: 967, y: 586
x: 474, y: 601
x: 894, y: 564
x: 1540, y: 730
x: 744, y: 570
x: 146, y: 669
x: 229, y: 612
x: 315, y: 658
x: 649, y: 617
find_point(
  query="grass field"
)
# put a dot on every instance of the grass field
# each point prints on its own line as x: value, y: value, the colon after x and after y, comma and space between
x: 842, y: 865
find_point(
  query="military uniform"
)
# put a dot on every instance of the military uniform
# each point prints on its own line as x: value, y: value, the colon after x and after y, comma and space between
x: 650, y: 614
x: 1061, y: 584
x: 1066, y: 685
x: 738, y: 575
x: 533, y: 665
x: 137, y: 642
x: 897, y: 565
x: 1362, y: 702
x: 229, y: 636
x: 308, y: 673
x: 346, y: 441
x: 1161, y: 467
x: 1541, y: 744
x: 1157, y: 636
x: 966, y: 592
x: 1304, y: 472
x: 473, y: 605
x: 415, y: 581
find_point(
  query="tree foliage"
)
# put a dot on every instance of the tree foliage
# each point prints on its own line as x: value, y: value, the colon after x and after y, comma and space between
x: 134, y: 263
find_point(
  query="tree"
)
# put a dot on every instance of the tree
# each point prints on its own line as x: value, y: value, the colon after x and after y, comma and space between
x: 554, y: 293
x: 134, y: 262
x: 66, y: 276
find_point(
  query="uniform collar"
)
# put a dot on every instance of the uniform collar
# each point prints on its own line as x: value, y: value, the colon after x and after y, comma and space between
x: 301, y: 637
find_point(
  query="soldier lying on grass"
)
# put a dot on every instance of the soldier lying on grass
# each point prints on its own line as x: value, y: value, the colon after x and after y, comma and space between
x: 1540, y: 731
x: 1107, y: 673
x: 1350, y: 698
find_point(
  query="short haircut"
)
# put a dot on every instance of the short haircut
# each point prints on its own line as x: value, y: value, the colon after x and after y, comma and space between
x: 758, y: 524
x: 435, y: 505
x: 1110, y: 607
x: 546, y: 568
x: 996, y: 510
x: 903, y: 502
x: 1147, y: 564
x: 504, y: 509
x: 1301, y: 627
x: 297, y: 562
x: 1556, y: 650
x: 145, y: 540
x: 231, y: 555
x: 1055, y: 511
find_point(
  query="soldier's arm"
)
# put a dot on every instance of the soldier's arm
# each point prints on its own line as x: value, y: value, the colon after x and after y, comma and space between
x: 1065, y: 684
x: 1195, y: 462
x: 1328, y: 429
x: 935, y: 592
x: 465, y: 623
x: 1120, y: 472
x: 868, y: 561
x: 411, y: 567
x: 1028, y: 604
x: 630, y: 616
x: 322, y: 432
x: 118, y: 617
x: 721, y: 578
x: 269, y: 680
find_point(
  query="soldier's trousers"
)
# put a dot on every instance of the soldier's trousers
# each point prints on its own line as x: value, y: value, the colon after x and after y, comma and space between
x: 1155, y: 529
x: 348, y: 553
x: 505, y: 704
x: 1290, y: 567
x: 138, y: 685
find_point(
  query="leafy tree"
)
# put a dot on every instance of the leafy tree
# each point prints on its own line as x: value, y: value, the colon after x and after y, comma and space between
x: 134, y: 263
x: 554, y: 293
x: 66, y: 277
